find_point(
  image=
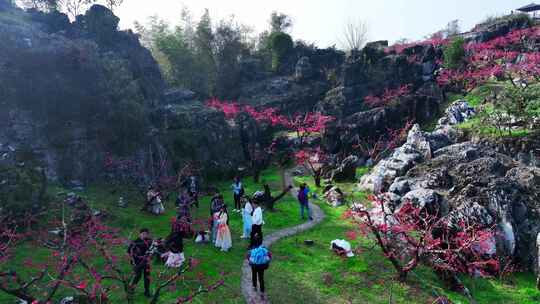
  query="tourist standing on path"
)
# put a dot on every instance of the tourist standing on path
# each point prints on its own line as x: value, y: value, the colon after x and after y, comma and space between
x: 238, y: 192
x: 247, y: 212
x: 223, y: 239
x: 256, y: 218
x: 303, y: 194
x: 259, y: 259
x: 140, y: 259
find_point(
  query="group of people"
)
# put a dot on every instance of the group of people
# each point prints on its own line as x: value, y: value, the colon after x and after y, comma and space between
x: 142, y: 249
x: 171, y: 251
x: 252, y: 216
x: 188, y: 197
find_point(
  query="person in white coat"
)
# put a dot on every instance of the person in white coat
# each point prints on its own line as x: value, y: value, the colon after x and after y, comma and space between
x: 257, y: 220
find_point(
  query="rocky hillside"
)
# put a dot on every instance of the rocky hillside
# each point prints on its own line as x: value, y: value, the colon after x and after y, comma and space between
x: 73, y: 91
x: 481, y: 161
x: 76, y: 92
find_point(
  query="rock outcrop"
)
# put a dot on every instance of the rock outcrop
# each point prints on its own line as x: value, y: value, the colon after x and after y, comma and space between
x: 498, y: 27
x: 420, y: 147
x: 201, y: 135
x: 465, y: 180
x: 73, y: 92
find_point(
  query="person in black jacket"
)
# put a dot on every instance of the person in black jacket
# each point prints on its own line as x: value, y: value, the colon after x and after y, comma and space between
x: 140, y: 259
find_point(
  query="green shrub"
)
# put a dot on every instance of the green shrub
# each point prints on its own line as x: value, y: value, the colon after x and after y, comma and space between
x: 281, y: 45
x: 22, y: 188
x: 454, y: 53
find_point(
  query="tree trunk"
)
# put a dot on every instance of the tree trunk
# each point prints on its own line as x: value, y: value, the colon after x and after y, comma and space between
x: 317, y: 178
x: 155, y: 298
x: 256, y: 175
x: 402, y: 275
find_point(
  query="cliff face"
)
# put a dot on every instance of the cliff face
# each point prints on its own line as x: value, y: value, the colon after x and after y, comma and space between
x: 71, y: 92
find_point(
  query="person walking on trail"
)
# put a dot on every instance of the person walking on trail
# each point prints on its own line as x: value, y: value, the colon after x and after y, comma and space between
x: 238, y: 192
x: 246, y: 218
x: 140, y: 259
x: 257, y: 220
x: 303, y: 199
x: 259, y: 259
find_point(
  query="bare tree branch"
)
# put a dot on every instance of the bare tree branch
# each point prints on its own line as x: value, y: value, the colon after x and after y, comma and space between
x: 355, y: 35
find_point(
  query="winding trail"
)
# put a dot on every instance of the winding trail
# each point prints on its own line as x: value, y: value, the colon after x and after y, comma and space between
x: 253, y: 297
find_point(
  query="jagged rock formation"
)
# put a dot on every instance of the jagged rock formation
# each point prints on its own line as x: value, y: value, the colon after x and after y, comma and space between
x: 499, y: 27
x: 420, y: 147
x: 372, y: 70
x: 464, y: 179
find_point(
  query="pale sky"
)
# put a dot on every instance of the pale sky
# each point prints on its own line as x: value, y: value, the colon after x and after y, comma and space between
x: 322, y: 21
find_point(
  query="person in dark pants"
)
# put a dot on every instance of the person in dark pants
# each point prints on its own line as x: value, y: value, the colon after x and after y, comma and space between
x: 257, y: 218
x: 140, y: 259
x: 303, y: 194
x: 238, y: 192
x: 259, y: 259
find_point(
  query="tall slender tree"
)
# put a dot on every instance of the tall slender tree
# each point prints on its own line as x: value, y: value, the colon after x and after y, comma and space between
x: 204, y: 49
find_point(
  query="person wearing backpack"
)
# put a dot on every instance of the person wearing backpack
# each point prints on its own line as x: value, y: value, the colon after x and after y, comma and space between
x: 303, y: 194
x: 259, y: 259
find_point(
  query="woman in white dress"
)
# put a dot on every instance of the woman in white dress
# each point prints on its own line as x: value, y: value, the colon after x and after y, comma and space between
x: 223, y: 238
x: 246, y: 217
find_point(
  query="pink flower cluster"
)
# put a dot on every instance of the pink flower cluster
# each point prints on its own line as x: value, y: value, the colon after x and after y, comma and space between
x: 425, y: 236
x: 311, y: 156
x: 499, y: 59
x: 232, y: 109
x: 388, y: 96
x: 311, y: 122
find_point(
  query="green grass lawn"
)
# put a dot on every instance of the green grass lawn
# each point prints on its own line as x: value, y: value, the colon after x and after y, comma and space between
x: 213, y: 262
x: 299, y: 273
x: 480, y: 125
